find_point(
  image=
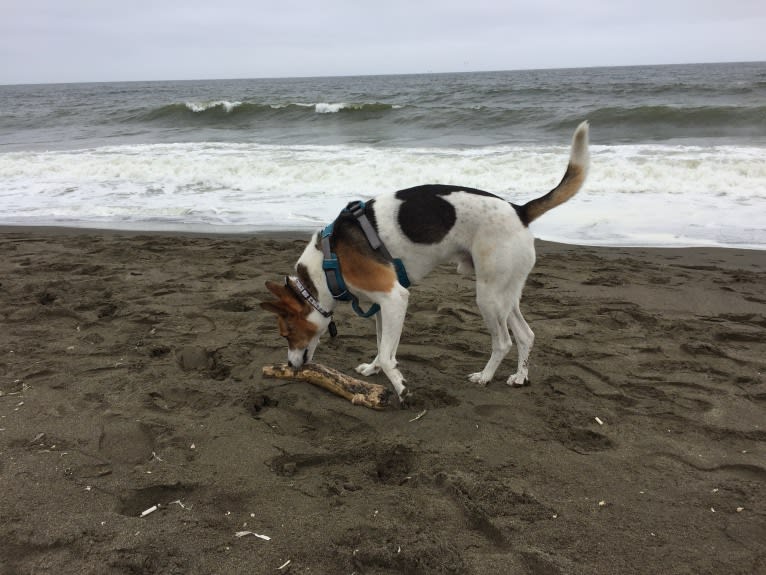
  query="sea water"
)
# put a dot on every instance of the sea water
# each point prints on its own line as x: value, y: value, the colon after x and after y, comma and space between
x: 678, y: 153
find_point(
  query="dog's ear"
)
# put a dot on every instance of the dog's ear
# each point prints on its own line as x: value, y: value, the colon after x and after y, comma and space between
x: 278, y: 290
x: 276, y: 307
x: 282, y: 291
x: 287, y: 304
x: 288, y: 299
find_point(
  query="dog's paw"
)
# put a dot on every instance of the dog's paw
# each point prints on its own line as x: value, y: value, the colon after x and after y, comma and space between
x: 518, y: 380
x: 403, y: 396
x: 479, y: 378
x: 368, y: 368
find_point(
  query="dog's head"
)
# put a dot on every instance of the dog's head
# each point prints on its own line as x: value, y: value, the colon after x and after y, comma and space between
x: 299, y: 323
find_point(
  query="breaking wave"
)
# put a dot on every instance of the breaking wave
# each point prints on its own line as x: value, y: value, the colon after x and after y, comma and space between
x: 224, y: 110
x: 635, y: 195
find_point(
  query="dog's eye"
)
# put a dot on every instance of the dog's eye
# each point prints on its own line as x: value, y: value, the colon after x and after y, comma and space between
x: 284, y: 328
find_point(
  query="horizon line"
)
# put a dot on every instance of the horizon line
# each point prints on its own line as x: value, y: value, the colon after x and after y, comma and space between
x: 425, y: 73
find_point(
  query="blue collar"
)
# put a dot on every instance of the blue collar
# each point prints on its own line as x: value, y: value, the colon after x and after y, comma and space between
x: 331, y: 265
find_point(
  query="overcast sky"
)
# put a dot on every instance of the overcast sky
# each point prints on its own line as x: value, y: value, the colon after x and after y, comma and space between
x: 98, y: 40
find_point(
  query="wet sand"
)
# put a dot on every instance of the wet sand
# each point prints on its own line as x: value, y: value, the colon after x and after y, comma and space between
x: 130, y: 377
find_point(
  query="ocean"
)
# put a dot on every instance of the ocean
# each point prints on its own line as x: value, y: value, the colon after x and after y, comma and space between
x: 678, y: 152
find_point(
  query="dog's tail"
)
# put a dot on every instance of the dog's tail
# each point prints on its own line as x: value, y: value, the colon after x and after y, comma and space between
x: 573, y: 179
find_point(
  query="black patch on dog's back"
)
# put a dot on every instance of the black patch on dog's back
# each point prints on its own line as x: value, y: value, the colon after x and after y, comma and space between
x: 425, y: 217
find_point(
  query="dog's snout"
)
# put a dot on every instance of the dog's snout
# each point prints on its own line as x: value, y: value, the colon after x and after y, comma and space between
x: 298, y: 362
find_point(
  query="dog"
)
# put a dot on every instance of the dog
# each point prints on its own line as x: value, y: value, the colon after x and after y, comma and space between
x: 374, y: 250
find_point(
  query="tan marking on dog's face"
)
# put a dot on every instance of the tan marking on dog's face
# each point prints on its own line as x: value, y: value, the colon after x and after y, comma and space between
x: 291, y: 317
x: 365, y: 273
x: 297, y: 330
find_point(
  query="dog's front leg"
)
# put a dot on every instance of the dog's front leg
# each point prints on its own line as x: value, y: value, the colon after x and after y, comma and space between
x: 393, y: 308
x: 374, y: 366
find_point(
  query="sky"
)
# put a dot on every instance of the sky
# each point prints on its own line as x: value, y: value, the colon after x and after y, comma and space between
x: 50, y: 41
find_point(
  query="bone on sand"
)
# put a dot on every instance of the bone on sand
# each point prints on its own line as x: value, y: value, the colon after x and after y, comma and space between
x: 355, y: 390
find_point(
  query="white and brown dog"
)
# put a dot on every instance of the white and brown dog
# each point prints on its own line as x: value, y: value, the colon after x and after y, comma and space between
x: 417, y: 229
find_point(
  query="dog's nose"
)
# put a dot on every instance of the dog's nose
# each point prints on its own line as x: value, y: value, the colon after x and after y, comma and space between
x: 296, y: 359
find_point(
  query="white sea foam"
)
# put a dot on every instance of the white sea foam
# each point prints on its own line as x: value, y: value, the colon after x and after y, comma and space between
x: 319, y: 107
x: 204, y: 106
x: 325, y: 108
x: 635, y: 195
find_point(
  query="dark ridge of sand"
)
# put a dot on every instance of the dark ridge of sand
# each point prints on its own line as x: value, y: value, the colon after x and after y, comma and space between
x: 130, y: 377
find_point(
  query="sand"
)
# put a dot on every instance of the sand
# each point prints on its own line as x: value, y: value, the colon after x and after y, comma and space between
x: 130, y: 377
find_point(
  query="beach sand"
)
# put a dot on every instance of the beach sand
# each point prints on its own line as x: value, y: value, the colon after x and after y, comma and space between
x: 130, y: 377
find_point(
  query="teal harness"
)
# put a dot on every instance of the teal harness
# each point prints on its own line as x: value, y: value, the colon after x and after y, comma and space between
x: 331, y: 265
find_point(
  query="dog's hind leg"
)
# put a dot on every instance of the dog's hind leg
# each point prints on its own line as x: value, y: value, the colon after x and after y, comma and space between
x: 494, y: 314
x: 524, y: 337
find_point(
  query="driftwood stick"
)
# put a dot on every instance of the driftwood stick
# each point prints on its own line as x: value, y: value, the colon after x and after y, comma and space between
x: 355, y: 390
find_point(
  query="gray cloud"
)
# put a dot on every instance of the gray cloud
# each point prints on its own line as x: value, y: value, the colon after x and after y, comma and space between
x: 91, y: 40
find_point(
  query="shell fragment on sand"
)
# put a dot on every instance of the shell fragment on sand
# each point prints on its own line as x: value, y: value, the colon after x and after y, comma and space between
x: 253, y: 533
x: 152, y: 509
x: 419, y: 415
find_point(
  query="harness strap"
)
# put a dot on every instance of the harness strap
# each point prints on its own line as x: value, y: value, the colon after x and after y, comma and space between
x: 357, y: 210
x: 331, y: 268
x: 331, y: 265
